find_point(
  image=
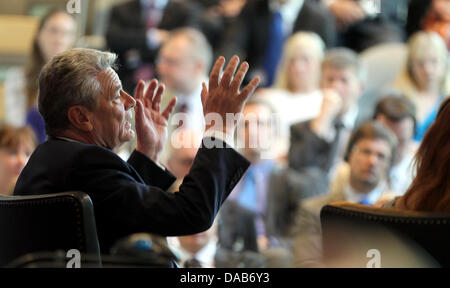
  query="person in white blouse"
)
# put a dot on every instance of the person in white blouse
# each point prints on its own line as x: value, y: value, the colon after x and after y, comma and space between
x: 295, y: 93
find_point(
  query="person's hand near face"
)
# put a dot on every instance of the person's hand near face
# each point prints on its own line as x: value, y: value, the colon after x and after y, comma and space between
x: 151, y: 124
x: 223, y: 95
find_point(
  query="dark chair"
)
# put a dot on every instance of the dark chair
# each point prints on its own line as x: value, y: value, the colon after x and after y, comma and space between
x: 51, y: 223
x: 356, y: 235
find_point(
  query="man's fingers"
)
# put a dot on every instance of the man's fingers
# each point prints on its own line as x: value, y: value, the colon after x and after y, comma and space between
x: 204, y: 93
x: 215, y: 73
x: 158, y: 96
x: 240, y: 75
x: 169, y: 108
x: 138, y: 94
x: 139, y: 113
x: 149, y: 93
x: 229, y: 72
x: 249, y: 89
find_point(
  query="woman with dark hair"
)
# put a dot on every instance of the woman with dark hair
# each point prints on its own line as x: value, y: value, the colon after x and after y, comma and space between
x: 55, y: 34
x: 430, y: 189
x: 16, y: 146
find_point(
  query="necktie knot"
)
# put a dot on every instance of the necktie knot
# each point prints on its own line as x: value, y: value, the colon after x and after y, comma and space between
x: 192, y: 263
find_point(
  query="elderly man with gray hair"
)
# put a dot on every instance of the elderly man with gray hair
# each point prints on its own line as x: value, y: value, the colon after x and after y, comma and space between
x: 87, y: 115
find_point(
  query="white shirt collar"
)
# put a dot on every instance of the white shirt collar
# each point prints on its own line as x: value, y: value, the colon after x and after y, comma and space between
x: 205, y: 256
x: 372, y: 197
x: 349, y: 118
x: 67, y: 139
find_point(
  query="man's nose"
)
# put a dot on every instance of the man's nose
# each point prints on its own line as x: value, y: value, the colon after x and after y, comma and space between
x: 373, y: 159
x: 130, y: 102
x: 22, y: 159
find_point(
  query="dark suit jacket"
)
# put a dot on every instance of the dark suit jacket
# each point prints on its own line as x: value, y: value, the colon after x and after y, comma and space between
x: 249, y: 35
x: 386, y: 26
x: 306, y: 148
x: 130, y: 197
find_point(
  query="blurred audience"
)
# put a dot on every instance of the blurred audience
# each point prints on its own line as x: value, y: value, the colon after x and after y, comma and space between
x: 56, y: 33
x: 259, y: 31
x: 430, y: 189
x: 269, y: 192
x: 16, y: 146
x: 426, y: 77
x: 370, y: 154
x: 429, y: 15
x: 321, y: 141
x: 295, y: 94
x: 365, y: 23
x: 137, y: 29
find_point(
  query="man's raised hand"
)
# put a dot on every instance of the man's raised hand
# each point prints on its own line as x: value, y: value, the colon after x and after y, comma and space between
x: 151, y: 124
x: 223, y: 95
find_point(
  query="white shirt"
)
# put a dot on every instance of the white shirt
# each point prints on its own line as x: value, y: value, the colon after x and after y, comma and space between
x: 205, y: 256
x: 356, y: 197
x: 401, y: 175
x: 193, y: 118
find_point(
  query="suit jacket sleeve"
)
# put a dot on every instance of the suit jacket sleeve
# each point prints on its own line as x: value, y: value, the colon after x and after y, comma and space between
x: 151, y: 173
x: 124, y: 205
x: 306, y: 148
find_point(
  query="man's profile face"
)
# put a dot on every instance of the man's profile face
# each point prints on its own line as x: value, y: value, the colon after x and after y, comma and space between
x: 112, y: 116
x: 369, y: 161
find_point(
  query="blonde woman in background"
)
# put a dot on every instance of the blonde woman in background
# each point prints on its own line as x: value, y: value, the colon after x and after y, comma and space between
x: 16, y: 146
x: 426, y: 77
x: 295, y: 94
x: 55, y: 34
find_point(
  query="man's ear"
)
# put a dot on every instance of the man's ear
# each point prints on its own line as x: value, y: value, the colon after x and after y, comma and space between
x: 80, y: 118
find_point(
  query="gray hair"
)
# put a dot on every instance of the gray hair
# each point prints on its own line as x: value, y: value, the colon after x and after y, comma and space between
x: 343, y: 58
x: 201, y: 49
x: 68, y: 79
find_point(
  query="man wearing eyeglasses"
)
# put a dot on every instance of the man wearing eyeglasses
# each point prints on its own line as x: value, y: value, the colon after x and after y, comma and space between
x: 369, y: 156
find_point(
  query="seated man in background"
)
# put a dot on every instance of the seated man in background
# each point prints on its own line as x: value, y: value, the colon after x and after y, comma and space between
x: 87, y: 114
x: 197, y: 250
x: 399, y: 115
x: 321, y: 141
x: 370, y: 154
x: 184, y: 61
